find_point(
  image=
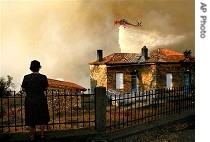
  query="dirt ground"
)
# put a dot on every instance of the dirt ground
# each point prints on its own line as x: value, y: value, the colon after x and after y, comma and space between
x: 179, y: 131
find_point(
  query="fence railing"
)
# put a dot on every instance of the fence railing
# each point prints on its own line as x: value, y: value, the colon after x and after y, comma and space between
x: 130, y: 109
x: 67, y: 111
x: 100, y: 111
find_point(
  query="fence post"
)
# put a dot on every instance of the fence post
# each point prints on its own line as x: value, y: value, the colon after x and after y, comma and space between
x: 100, y: 109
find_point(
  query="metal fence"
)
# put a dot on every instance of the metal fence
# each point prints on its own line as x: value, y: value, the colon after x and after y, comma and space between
x: 74, y: 110
x: 67, y: 111
x: 130, y: 109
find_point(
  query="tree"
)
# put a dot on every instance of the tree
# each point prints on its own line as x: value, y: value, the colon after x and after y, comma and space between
x: 187, y: 53
x: 5, y: 85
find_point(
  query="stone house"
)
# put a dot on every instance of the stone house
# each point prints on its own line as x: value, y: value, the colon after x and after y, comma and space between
x: 126, y: 72
x: 65, y: 94
x: 64, y: 85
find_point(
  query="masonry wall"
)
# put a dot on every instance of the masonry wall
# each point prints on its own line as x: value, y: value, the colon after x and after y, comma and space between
x: 149, y: 76
x: 177, y: 74
x: 146, y: 78
x: 111, y: 80
x: 98, y: 76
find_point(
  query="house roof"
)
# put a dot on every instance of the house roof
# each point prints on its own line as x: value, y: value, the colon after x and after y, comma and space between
x: 157, y: 55
x: 119, y: 58
x: 57, y: 84
x: 166, y: 55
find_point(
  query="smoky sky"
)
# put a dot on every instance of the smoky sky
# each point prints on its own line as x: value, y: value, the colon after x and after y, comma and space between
x: 64, y: 35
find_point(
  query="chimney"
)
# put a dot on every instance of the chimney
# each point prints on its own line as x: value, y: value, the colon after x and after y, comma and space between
x: 99, y: 55
x: 144, y: 52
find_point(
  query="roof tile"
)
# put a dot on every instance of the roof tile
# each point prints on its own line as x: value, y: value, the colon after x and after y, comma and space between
x: 65, y: 85
x: 157, y: 55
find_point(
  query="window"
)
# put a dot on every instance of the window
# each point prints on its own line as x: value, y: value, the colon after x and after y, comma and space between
x: 169, y: 83
x: 119, y: 80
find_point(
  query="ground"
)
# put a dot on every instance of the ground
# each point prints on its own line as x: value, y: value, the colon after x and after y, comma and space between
x: 182, y: 130
x: 178, y: 131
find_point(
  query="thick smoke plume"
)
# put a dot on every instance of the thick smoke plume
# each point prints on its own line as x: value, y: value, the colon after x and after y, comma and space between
x: 64, y: 35
x: 131, y: 40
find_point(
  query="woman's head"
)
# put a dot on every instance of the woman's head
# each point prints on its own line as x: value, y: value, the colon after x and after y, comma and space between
x: 35, y: 66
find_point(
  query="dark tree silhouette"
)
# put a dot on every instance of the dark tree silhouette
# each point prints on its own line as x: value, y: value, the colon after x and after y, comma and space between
x: 187, y: 53
x: 5, y: 85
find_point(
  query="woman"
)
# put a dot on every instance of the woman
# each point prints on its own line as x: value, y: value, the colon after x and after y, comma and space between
x: 36, y: 107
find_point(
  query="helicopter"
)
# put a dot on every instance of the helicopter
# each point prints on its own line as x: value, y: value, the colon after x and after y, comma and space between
x: 125, y: 22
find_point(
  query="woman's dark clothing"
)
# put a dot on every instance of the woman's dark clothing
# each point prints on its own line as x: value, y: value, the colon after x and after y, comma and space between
x: 36, y: 107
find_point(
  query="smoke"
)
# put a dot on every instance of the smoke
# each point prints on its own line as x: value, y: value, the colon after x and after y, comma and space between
x: 131, y: 40
x: 156, y: 31
x: 64, y: 35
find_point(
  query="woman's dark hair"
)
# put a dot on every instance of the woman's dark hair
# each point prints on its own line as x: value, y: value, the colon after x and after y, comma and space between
x: 35, y: 66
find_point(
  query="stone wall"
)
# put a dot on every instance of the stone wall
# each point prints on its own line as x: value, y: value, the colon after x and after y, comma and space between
x: 111, y: 80
x: 98, y: 76
x: 145, y: 77
x: 177, y: 74
x: 149, y: 76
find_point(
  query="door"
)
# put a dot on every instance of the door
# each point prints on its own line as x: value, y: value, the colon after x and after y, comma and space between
x: 134, y: 82
x: 187, y: 79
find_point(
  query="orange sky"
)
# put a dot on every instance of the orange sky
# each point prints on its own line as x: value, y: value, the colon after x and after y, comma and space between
x: 64, y: 35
